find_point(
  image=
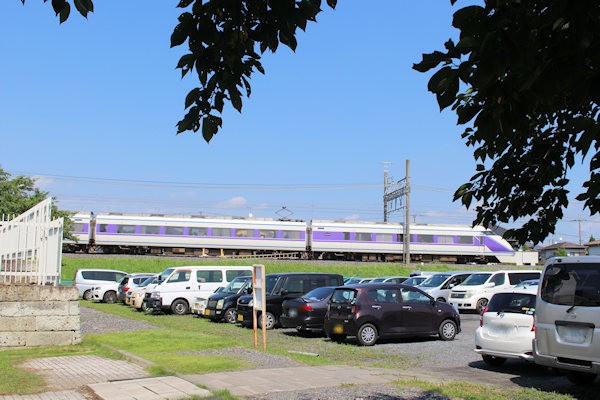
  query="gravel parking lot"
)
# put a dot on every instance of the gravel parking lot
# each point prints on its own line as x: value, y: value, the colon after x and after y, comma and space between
x: 453, y: 360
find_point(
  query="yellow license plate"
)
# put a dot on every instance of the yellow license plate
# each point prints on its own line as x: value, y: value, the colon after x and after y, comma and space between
x: 338, y: 329
x: 206, y: 312
x: 240, y: 317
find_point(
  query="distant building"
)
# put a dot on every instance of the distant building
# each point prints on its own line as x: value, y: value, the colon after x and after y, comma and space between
x: 593, y: 248
x: 572, y: 249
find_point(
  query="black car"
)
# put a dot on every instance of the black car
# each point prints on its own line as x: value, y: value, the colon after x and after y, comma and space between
x: 306, y: 313
x: 221, y: 305
x: 280, y: 287
x: 376, y: 310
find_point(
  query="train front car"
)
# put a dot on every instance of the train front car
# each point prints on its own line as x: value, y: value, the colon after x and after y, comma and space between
x: 81, y: 231
x: 361, y: 241
x: 197, y: 235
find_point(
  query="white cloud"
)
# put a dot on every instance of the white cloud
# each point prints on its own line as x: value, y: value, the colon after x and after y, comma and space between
x: 353, y: 217
x: 43, y: 182
x: 234, y: 202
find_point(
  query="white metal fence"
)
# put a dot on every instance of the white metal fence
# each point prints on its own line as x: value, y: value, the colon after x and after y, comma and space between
x: 31, y: 247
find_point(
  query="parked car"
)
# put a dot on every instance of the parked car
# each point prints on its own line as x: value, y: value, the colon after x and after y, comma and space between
x: 177, y: 291
x: 567, y: 317
x: 129, y: 282
x: 390, y: 279
x: 306, y: 313
x: 475, y: 292
x: 106, y: 292
x: 86, y: 279
x: 506, y: 328
x: 415, y: 280
x: 280, y: 287
x: 139, y: 290
x: 221, y: 306
x: 373, y: 311
x: 439, y: 285
x: 140, y: 294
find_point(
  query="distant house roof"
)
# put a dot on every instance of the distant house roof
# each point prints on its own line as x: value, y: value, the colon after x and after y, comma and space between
x: 593, y: 243
x: 564, y: 245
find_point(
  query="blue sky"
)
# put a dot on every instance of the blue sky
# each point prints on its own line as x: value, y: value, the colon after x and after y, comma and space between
x: 89, y: 107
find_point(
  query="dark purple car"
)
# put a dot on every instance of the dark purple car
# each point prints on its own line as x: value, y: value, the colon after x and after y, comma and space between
x: 306, y: 313
x: 376, y: 310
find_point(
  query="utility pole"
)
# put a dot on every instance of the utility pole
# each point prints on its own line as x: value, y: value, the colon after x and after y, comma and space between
x: 393, y: 195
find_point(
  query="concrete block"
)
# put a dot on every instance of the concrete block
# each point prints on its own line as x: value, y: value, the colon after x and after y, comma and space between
x: 12, y: 339
x: 62, y: 338
x: 10, y: 309
x: 44, y: 308
x: 56, y: 323
x: 17, y: 324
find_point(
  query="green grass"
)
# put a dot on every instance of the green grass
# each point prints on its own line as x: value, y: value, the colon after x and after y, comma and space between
x: 469, y: 391
x: 159, y: 264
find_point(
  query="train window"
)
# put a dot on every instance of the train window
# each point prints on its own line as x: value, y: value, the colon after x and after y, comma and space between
x: 209, y: 276
x: 384, y: 237
x: 465, y: 239
x: 445, y: 239
x: 346, y: 235
x: 150, y: 230
x: 291, y: 235
x: 174, y: 230
x: 268, y: 234
x: 102, y: 228
x: 424, y: 238
x: 363, y: 237
x: 198, y: 231
x: 400, y: 238
x: 221, y: 232
x: 244, y: 232
x: 125, y: 228
x: 77, y: 227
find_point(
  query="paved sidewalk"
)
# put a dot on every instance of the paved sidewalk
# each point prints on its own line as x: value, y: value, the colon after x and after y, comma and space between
x: 98, y: 378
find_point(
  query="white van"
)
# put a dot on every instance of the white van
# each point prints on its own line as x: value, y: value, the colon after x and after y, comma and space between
x: 86, y: 279
x: 179, y: 286
x: 567, y: 317
x: 475, y: 292
x: 439, y: 285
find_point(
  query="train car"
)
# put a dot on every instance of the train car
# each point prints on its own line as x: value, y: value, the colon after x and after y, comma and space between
x: 353, y: 240
x: 196, y: 235
x: 81, y: 231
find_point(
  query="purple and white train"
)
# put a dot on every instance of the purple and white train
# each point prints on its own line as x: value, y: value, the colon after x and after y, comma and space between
x: 327, y: 240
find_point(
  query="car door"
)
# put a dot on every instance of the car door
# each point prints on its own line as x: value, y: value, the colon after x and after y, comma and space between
x: 386, y: 308
x: 417, y: 312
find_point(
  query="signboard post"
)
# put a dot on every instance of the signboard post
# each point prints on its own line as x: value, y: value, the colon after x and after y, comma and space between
x: 259, y: 301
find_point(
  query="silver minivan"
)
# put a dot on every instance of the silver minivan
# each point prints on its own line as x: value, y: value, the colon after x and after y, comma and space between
x: 567, y: 317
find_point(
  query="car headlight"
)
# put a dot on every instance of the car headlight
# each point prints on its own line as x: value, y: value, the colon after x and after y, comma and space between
x: 220, y: 304
x: 469, y: 293
x: 251, y: 303
x: 155, y: 295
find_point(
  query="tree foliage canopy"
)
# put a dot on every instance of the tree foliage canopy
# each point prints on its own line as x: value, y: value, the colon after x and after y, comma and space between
x: 524, y: 79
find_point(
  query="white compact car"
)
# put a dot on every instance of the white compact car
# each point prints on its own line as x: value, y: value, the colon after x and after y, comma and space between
x: 106, y: 292
x: 506, y: 327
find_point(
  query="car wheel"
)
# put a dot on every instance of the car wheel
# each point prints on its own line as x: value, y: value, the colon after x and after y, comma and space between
x: 109, y: 297
x: 145, y: 307
x: 447, y: 330
x: 481, y: 304
x: 230, y: 315
x: 441, y: 299
x: 180, y: 307
x: 87, y: 295
x: 367, y: 335
x: 580, y: 378
x: 270, y: 321
x: 493, y: 360
x: 337, y: 338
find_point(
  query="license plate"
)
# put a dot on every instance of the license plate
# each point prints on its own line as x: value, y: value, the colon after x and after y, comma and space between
x: 206, y: 312
x: 293, y: 312
x: 573, y: 334
x: 240, y: 317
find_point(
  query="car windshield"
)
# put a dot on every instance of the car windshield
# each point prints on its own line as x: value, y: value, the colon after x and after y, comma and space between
x: 165, y: 274
x: 434, y: 281
x: 520, y: 303
x: 318, y: 294
x: 148, y: 281
x: 476, y: 279
x: 572, y: 284
x: 271, y: 283
x: 235, y: 285
x: 414, y: 281
x: 354, y: 280
x: 343, y: 296
x: 377, y: 280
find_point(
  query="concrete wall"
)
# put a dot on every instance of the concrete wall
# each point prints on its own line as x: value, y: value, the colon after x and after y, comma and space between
x: 34, y: 315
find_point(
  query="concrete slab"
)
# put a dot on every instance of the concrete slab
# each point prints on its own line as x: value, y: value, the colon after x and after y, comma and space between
x: 165, y: 387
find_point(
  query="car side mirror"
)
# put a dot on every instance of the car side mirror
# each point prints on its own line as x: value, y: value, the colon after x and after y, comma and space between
x: 249, y: 290
x: 490, y: 285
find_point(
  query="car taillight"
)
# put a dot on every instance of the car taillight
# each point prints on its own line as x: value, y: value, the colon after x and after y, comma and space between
x: 306, y: 307
x: 354, y: 309
x: 481, y: 316
x: 533, y: 325
x: 125, y: 289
